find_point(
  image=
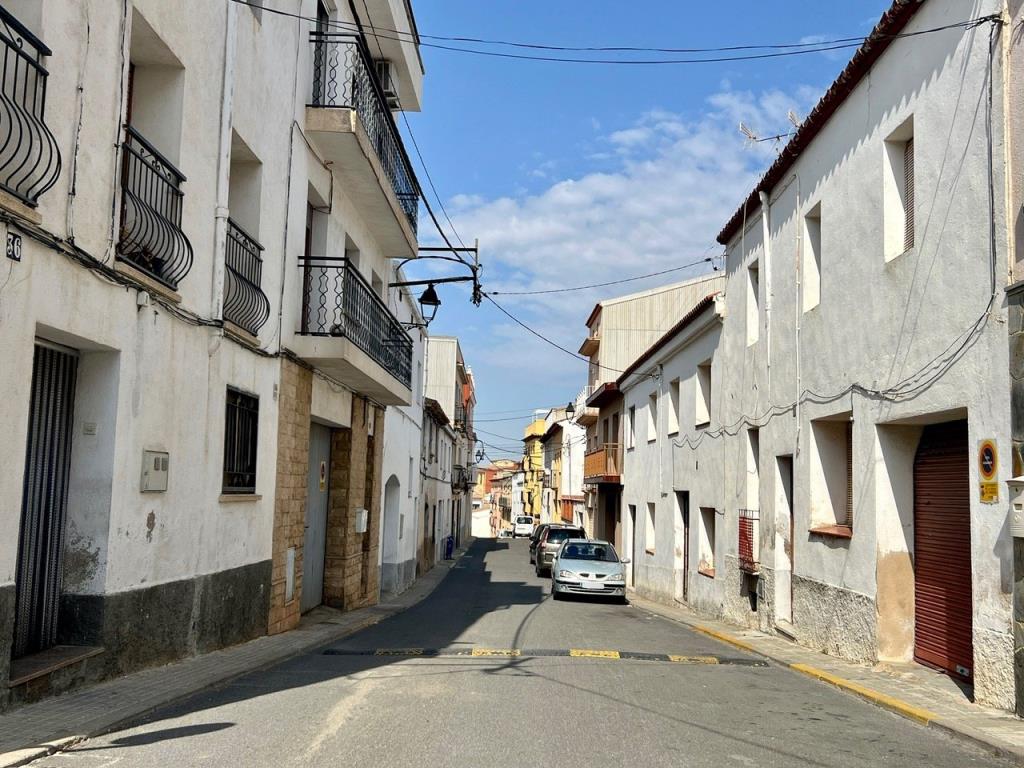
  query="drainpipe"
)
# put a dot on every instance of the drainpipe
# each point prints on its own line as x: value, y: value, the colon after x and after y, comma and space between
x: 220, y: 229
x: 798, y: 305
x: 766, y: 237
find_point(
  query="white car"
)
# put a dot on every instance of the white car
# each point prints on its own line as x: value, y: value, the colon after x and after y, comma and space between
x: 588, y: 567
x: 523, y: 526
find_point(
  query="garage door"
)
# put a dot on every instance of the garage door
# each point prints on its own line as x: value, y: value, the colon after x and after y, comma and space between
x: 942, y: 551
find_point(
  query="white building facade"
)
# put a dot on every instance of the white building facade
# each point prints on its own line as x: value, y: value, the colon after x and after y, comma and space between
x: 184, y: 254
x: 859, y: 398
x: 402, y: 479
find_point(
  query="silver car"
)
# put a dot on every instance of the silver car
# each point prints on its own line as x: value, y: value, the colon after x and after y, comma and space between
x: 588, y: 567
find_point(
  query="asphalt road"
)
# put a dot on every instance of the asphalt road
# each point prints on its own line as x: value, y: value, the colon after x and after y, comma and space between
x: 349, y: 706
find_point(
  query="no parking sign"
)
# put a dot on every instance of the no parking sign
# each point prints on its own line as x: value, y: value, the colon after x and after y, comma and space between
x: 988, y: 466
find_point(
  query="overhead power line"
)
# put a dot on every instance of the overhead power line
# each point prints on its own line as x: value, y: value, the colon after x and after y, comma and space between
x: 603, y: 285
x: 773, y: 50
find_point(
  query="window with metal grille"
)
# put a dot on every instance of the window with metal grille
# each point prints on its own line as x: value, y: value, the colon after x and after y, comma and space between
x: 908, y: 194
x: 849, y: 478
x: 241, y: 426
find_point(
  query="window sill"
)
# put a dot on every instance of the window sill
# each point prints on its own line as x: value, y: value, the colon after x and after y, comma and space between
x: 240, y: 334
x: 833, y: 531
x: 705, y: 571
x: 18, y: 208
x: 146, y: 282
x: 673, y: 432
x: 702, y: 425
x: 649, y: 552
x: 235, y: 498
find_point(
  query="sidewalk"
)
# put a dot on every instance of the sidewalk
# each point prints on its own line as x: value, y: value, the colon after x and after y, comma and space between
x: 37, y: 730
x: 911, y: 690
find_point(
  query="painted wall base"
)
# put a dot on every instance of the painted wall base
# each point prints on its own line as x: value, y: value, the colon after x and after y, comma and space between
x: 397, y: 577
x: 146, y: 627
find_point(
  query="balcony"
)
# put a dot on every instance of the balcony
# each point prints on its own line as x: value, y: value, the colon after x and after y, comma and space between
x: 348, y: 117
x: 245, y: 304
x: 590, y: 344
x: 151, y: 236
x: 462, y: 478
x: 603, y: 465
x: 586, y: 415
x: 747, y: 546
x: 348, y: 332
x: 29, y: 158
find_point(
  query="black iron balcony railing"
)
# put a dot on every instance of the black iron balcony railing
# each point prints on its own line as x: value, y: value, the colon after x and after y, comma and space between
x: 344, y: 76
x: 245, y: 304
x: 337, y: 301
x: 29, y: 156
x: 151, y: 236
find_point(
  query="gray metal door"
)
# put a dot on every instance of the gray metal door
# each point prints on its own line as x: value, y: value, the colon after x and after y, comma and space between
x: 44, y: 500
x: 317, y: 489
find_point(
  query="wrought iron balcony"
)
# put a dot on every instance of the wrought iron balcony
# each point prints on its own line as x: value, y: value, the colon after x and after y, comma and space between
x: 29, y: 156
x: 747, y: 546
x: 344, y: 76
x: 151, y: 236
x: 337, y: 301
x: 245, y: 304
x: 603, y: 465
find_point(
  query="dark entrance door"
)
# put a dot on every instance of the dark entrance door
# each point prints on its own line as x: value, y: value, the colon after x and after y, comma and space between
x: 317, y: 495
x: 44, y: 499
x: 943, y: 606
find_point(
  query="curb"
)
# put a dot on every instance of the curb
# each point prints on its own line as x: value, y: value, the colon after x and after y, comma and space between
x: 900, y: 707
x: 26, y: 755
x: 892, y: 704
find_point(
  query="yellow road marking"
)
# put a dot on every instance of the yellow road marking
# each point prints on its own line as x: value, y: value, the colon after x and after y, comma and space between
x: 693, y: 659
x: 922, y: 716
x: 398, y: 652
x: 583, y: 653
x: 495, y: 651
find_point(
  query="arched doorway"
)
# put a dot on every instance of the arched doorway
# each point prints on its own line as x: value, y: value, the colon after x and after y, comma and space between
x: 391, y: 559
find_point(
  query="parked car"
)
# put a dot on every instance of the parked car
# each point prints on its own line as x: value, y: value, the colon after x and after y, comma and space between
x: 588, y: 567
x: 550, y: 541
x: 523, y: 526
x: 535, y: 538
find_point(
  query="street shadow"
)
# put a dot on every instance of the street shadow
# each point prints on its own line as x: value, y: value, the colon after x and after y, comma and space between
x: 154, y: 737
x: 466, y: 595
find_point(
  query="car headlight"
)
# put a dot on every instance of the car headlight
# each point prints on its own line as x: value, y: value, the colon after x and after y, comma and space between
x: 563, y: 574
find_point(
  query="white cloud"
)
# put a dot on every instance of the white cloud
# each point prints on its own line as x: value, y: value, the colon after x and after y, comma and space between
x: 668, y: 185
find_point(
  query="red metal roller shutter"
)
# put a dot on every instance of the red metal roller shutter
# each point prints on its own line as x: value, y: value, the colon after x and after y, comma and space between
x: 942, y: 550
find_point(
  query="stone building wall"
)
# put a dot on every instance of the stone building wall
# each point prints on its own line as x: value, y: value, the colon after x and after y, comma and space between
x: 294, y: 398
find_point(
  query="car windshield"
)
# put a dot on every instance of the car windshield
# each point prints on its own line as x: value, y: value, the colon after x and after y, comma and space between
x: 604, y: 553
x: 524, y: 520
x: 561, y: 534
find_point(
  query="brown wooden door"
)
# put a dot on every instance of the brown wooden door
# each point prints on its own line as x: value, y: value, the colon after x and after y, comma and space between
x: 942, y: 551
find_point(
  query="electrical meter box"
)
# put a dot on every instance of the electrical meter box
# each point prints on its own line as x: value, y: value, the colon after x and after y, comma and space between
x: 154, y: 471
x: 361, y: 517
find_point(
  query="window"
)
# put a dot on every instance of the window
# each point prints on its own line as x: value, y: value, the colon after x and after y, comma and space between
x: 411, y: 467
x: 810, y: 276
x: 673, y: 406
x: 898, y: 191
x: 753, y: 469
x: 241, y: 423
x: 831, y: 480
x: 652, y: 418
x: 156, y: 89
x: 703, y: 388
x: 753, y: 303
x: 706, y: 552
x: 649, y: 534
x: 631, y: 427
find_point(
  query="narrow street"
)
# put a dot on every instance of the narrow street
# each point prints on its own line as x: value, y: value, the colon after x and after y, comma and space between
x: 429, y: 701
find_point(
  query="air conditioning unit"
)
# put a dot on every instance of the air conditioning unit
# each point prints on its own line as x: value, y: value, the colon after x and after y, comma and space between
x: 387, y: 83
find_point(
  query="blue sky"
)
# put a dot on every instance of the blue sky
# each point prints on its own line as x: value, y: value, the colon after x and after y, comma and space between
x: 573, y: 174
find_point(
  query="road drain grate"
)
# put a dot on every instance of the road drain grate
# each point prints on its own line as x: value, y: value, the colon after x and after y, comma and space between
x: 527, y: 653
